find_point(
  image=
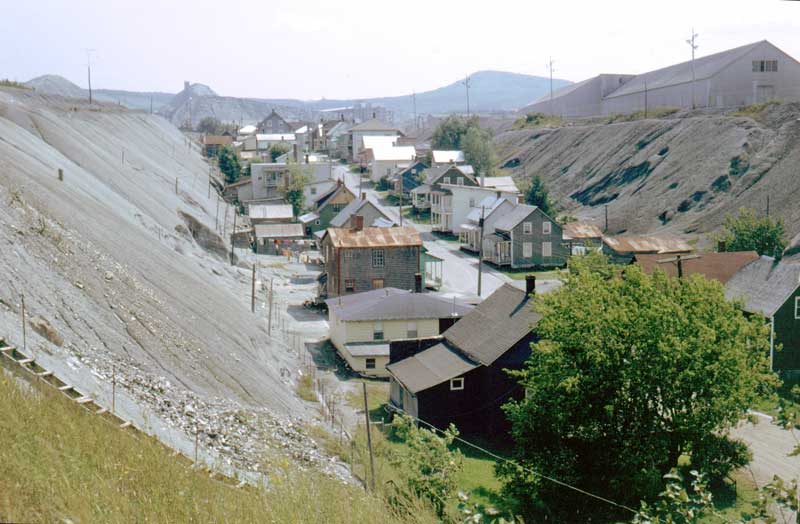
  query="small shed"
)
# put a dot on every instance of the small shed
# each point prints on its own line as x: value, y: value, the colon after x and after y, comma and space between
x: 269, y: 239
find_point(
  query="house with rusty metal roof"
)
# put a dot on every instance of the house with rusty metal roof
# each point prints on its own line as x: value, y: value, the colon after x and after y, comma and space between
x: 622, y: 249
x: 362, y: 258
x: 714, y: 266
x: 771, y: 288
x: 460, y: 377
x: 363, y: 324
x: 580, y: 235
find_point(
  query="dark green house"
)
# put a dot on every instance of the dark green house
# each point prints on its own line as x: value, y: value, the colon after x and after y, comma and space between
x: 326, y: 207
x: 771, y: 288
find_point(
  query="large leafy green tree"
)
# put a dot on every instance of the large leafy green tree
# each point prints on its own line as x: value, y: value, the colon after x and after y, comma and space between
x: 228, y: 162
x: 538, y: 195
x: 479, y: 150
x: 276, y: 150
x: 299, y: 178
x: 749, y: 232
x: 630, y: 373
x: 450, y: 132
x: 210, y: 125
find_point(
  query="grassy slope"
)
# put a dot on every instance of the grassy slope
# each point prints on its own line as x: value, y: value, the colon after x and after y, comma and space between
x: 57, y: 461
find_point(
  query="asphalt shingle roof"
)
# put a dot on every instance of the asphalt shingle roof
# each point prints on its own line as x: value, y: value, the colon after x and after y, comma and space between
x: 396, y: 305
x: 353, y: 208
x: 514, y: 217
x: 764, y: 285
x: 430, y: 367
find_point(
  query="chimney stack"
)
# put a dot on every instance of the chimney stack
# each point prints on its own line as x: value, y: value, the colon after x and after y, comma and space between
x: 294, y: 152
x: 417, y: 282
x: 721, y: 246
x: 306, y: 158
x: 530, y: 284
x: 363, y: 196
x: 358, y: 222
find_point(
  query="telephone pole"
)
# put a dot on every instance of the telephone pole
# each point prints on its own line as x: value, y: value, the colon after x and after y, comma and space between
x: 550, y: 68
x: 89, y: 71
x: 480, y: 254
x: 414, y: 102
x: 692, y: 42
x: 467, y: 85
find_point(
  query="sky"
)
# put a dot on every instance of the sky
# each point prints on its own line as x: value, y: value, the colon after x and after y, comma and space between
x: 367, y: 48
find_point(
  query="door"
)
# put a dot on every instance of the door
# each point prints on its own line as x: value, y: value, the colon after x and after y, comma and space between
x: 764, y: 94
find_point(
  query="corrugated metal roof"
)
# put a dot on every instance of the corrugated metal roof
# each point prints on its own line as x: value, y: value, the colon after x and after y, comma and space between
x: 275, y: 137
x: 764, y: 285
x: 368, y: 349
x: 397, y: 306
x: 715, y: 266
x: 354, y: 207
x: 394, y: 153
x: 448, y: 157
x: 704, y: 67
x: 430, y: 367
x: 648, y: 244
x: 248, y: 130
x: 279, y: 231
x: 495, y: 325
x: 511, y: 219
x: 271, y: 212
x: 377, y: 141
x: 217, y: 140
x: 578, y: 229
x: 375, y: 237
x: 374, y: 125
x: 501, y: 183
x: 308, y: 217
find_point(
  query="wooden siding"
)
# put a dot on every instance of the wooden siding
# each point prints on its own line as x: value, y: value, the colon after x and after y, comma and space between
x: 787, y: 334
x: 559, y: 251
x: 400, y: 266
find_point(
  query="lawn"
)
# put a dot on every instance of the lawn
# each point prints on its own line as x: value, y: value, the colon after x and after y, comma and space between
x: 552, y: 274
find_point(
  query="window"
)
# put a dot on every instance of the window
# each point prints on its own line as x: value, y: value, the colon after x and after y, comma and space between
x: 317, y: 222
x: 349, y: 285
x: 377, y: 331
x: 546, y: 227
x: 527, y: 249
x: 349, y: 254
x: 313, y: 190
x: 446, y: 180
x: 377, y: 283
x: 457, y: 384
x: 797, y: 308
x: 527, y: 228
x: 765, y: 66
x: 378, y: 259
x: 370, y: 363
x: 547, y: 249
x: 471, y: 202
x: 337, y: 207
x: 411, y: 330
x: 460, y: 181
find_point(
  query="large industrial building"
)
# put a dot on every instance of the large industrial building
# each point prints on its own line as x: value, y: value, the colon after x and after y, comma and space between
x: 746, y: 75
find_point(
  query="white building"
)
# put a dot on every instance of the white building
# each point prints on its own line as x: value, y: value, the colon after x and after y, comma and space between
x: 492, y: 208
x: 447, y: 157
x: 368, y: 128
x: 464, y: 199
x: 385, y: 161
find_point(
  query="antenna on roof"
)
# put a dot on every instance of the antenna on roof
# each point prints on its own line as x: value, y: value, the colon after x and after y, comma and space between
x: 693, y: 44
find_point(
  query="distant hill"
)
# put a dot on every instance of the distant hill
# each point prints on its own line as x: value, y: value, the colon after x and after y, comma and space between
x: 60, y: 86
x: 56, y: 85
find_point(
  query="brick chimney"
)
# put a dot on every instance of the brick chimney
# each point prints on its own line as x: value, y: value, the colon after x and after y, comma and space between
x: 358, y: 223
x: 417, y: 282
x: 306, y: 158
x: 530, y: 284
x: 363, y: 196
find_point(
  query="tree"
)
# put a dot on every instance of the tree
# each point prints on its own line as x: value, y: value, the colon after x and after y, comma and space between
x: 210, y: 126
x: 228, y: 162
x: 748, y: 232
x: 479, y: 150
x: 538, y: 195
x: 427, y: 464
x: 629, y: 374
x: 292, y: 191
x: 450, y: 131
x: 276, y: 150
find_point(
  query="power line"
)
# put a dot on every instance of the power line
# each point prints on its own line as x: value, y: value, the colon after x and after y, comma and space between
x: 551, y: 69
x: 528, y: 470
x: 694, y: 46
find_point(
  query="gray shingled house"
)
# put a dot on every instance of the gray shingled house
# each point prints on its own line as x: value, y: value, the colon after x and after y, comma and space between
x: 366, y: 207
x: 363, y: 324
x: 460, y: 377
x: 526, y: 237
x: 771, y: 288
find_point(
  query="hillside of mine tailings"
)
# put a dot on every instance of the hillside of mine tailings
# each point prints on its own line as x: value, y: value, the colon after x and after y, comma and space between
x: 114, y: 278
x: 681, y: 173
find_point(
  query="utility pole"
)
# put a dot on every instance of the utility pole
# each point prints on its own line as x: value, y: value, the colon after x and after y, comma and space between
x: 269, y: 322
x: 369, y: 438
x: 550, y: 68
x: 767, y: 206
x: 233, y: 234
x: 89, y: 71
x: 645, y: 99
x: 414, y: 101
x: 693, y: 44
x: 151, y: 105
x: 605, y: 207
x: 467, y: 85
x: 113, y: 389
x: 24, y: 328
x: 401, y: 199
x: 253, y: 291
x: 480, y: 254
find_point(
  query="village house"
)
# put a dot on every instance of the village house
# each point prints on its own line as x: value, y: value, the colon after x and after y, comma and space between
x: 622, y: 249
x: 270, y: 214
x: 462, y: 201
x: 526, y: 238
x: 369, y: 209
x: 492, y: 208
x: 259, y: 145
x: 213, y: 143
x: 771, y: 288
x: 407, y: 178
x: 362, y: 325
x: 264, y: 185
x: 581, y: 236
x: 364, y: 258
x: 714, y: 266
x: 460, y: 378
x: 326, y: 207
x: 383, y: 162
x: 372, y: 127
x: 273, y: 227
x: 435, y: 194
x: 274, y: 123
x: 440, y: 157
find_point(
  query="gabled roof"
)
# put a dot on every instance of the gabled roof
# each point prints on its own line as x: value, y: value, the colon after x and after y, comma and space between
x: 271, y: 212
x: 715, y: 266
x: 514, y: 217
x: 448, y: 157
x: 407, y: 153
x: 353, y: 208
x: 494, y: 326
x: 764, y: 285
x: 578, y: 229
x: 275, y: 137
x: 279, y: 231
x: 374, y: 237
x: 323, y: 198
x: 375, y: 141
x: 647, y: 244
x: 704, y: 67
x: 489, y: 204
x: 500, y: 183
x: 428, y: 368
x: 396, y: 305
x: 432, y: 174
x: 217, y: 140
x: 375, y: 125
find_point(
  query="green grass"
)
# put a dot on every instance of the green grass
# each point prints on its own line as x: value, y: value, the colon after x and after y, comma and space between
x: 5, y: 82
x: 424, y: 217
x: 517, y: 274
x: 733, y: 498
x: 59, y: 463
x: 537, y: 120
x: 754, y: 110
x: 377, y: 396
x: 305, y: 388
x: 656, y: 112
